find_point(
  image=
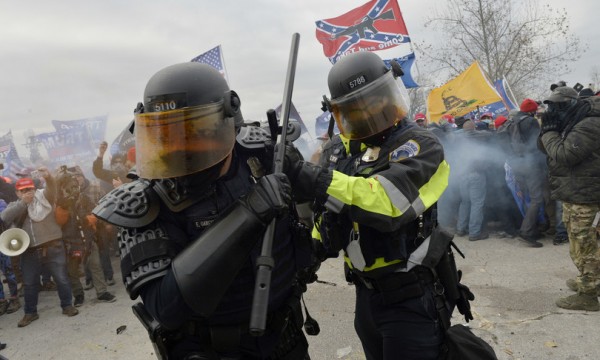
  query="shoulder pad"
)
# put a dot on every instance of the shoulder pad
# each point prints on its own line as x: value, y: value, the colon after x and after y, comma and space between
x: 132, y: 204
x: 254, y: 137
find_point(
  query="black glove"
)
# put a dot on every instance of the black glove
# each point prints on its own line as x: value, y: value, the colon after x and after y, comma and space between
x: 551, y: 122
x: 269, y: 197
x: 309, y: 181
x: 292, y: 156
x: 462, y: 303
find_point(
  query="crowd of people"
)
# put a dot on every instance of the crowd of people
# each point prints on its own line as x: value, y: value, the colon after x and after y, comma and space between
x: 62, y: 241
x: 529, y: 175
x: 387, y: 192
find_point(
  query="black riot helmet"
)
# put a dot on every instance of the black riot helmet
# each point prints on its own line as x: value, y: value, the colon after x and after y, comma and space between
x: 366, y: 99
x: 186, y: 123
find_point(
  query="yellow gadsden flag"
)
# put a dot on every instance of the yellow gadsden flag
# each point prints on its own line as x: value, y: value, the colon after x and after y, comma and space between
x: 461, y: 95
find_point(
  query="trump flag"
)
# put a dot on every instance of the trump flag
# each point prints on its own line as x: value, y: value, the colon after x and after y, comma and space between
x: 96, y: 126
x: 377, y: 25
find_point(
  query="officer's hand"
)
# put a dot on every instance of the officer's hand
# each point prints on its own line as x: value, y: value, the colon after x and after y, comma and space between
x: 269, y: 197
x: 463, y: 305
x: 309, y: 181
x: 550, y: 122
x: 291, y: 159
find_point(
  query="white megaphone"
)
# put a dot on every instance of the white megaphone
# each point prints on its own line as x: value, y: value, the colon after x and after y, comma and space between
x: 13, y: 242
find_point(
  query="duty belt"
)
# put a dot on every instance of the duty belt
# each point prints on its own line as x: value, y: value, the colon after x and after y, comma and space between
x: 223, y: 338
x: 398, y: 286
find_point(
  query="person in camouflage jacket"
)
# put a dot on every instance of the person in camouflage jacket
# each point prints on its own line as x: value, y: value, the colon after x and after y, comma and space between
x: 569, y: 137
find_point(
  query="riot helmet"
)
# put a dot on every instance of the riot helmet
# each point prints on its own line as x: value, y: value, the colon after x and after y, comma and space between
x: 366, y: 100
x: 186, y: 123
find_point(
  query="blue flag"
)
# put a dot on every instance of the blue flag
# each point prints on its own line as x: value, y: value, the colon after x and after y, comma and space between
x: 500, y: 85
x: 123, y: 142
x: 71, y: 146
x: 521, y: 198
x: 498, y: 108
x: 96, y: 126
x: 293, y: 116
x: 406, y: 62
x: 322, y: 126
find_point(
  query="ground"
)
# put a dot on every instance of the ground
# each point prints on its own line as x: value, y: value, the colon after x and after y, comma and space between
x: 515, y: 288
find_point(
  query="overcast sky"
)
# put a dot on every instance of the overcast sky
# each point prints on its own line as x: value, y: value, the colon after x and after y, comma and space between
x: 66, y: 60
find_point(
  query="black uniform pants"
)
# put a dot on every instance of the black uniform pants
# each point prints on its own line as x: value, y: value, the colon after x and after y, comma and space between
x: 407, y: 329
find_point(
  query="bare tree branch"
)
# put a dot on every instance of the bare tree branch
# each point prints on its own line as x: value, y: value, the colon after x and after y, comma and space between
x: 528, y: 44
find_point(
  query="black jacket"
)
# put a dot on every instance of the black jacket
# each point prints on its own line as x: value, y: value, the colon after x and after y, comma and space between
x: 574, y: 159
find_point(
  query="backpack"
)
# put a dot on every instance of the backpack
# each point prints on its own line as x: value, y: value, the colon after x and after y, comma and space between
x: 462, y: 344
x: 511, y: 134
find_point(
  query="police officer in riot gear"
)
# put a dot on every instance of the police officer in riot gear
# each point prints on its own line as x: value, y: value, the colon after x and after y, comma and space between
x: 375, y: 193
x: 190, y: 226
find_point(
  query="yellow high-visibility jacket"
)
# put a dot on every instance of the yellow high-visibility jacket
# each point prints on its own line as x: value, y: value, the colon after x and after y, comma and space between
x: 380, y: 199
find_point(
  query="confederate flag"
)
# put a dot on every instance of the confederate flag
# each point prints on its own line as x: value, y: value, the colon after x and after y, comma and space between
x: 377, y: 25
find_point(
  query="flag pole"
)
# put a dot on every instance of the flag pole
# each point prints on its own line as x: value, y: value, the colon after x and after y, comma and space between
x: 224, y: 66
x: 514, y: 99
x: 412, y: 50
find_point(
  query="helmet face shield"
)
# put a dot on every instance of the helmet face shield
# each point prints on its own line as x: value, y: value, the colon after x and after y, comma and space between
x: 183, y: 141
x: 371, y: 109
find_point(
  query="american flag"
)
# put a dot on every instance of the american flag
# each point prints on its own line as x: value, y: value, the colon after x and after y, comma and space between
x: 214, y: 58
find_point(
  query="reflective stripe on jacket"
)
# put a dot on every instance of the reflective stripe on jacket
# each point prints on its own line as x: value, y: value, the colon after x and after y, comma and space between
x: 386, y: 196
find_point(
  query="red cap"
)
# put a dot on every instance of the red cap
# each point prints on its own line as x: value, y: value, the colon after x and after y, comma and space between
x: 24, y: 183
x: 499, y: 121
x: 449, y: 118
x: 131, y: 155
x: 529, y: 105
x: 420, y: 116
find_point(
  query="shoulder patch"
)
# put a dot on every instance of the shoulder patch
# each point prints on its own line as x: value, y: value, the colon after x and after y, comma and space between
x: 408, y: 149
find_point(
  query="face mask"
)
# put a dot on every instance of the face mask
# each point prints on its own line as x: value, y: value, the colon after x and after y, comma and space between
x: 562, y: 106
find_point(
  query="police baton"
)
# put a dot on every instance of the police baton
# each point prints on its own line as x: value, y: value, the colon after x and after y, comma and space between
x: 265, y: 262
